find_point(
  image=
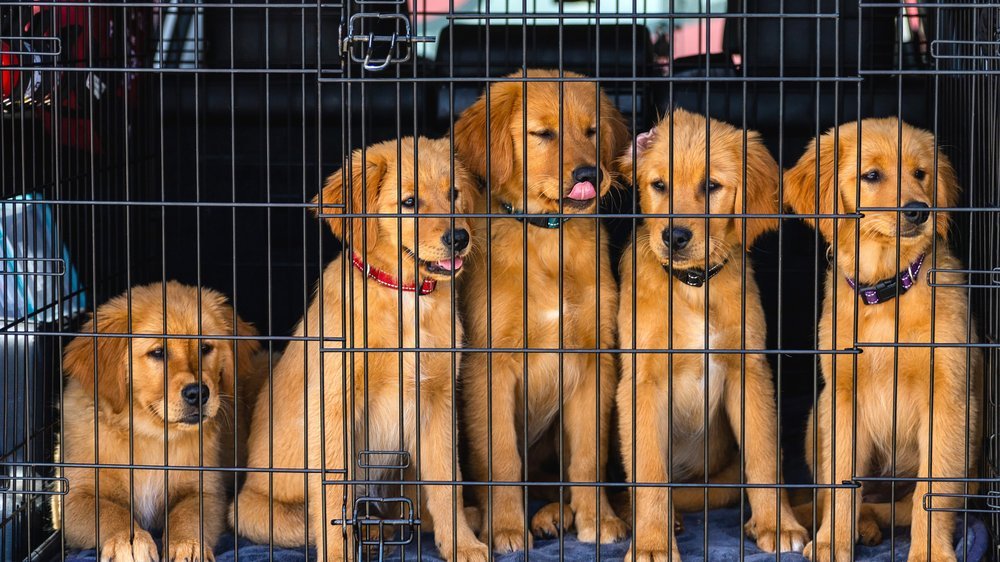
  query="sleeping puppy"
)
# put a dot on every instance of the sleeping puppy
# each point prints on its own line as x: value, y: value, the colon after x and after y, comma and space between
x: 681, y: 273
x: 547, y: 285
x: 878, y: 289
x: 149, y: 390
x: 394, y: 284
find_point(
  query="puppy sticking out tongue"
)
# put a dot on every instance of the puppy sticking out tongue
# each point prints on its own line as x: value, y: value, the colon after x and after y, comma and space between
x: 449, y: 265
x: 583, y: 191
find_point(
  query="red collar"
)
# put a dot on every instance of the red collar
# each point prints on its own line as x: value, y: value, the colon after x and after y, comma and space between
x: 386, y: 280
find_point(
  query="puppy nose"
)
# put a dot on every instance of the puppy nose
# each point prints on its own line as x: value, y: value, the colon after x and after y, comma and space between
x: 916, y: 212
x: 457, y: 239
x: 587, y: 173
x: 195, y: 394
x: 676, y: 238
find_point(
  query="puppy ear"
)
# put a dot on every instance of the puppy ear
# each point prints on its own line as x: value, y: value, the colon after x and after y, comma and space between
x: 366, y: 180
x: 102, y: 361
x: 947, y: 194
x: 626, y: 162
x: 801, y: 184
x: 614, y: 133
x: 246, y: 353
x: 239, y: 361
x: 760, y: 192
x: 470, y: 133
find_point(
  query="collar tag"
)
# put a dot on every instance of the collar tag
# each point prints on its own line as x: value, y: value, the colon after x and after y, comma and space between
x: 534, y: 220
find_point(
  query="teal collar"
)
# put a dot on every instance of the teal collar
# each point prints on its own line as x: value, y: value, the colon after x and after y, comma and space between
x: 535, y: 220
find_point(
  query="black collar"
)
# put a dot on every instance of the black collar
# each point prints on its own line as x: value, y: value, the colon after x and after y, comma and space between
x: 535, y: 220
x: 695, y: 277
x: 886, y: 289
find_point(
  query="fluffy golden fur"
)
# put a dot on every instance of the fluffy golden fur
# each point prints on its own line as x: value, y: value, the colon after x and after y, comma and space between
x: 377, y: 317
x: 529, y: 253
x: 132, y: 418
x: 670, y: 177
x: 891, y: 174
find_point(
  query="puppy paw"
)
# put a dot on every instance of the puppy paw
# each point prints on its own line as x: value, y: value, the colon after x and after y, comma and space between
x: 189, y: 551
x: 792, y: 537
x: 819, y: 551
x: 918, y: 553
x: 653, y: 552
x: 468, y: 551
x: 510, y: 539
x: 474, y: 517
x: 678, y: 522
x: 547, y: 523
x: 868, y: 532
x: 121, y: 547
x: 608, y: 530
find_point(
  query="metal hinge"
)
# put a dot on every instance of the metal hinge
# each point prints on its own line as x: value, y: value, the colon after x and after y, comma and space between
x: 360, y: 46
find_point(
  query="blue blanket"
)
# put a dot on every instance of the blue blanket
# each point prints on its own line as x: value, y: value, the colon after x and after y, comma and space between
x: 724, y: 536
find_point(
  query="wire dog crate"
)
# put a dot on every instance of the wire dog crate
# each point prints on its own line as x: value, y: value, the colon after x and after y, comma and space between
x: 143, y: 142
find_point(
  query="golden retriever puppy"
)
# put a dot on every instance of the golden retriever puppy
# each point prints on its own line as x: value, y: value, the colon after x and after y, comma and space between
x: 878, y: 292
x: 681, y: 273
x: 390, y: 288
x: 178, y: 395
x: 547, y: 285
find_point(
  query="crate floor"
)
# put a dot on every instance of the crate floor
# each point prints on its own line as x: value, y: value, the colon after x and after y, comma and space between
x: 724, y: 544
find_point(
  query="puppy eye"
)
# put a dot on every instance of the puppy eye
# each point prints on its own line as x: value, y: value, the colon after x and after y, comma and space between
x: 592, y: 131
x: 206, y: 348
x: 544, y: 134
x: 157, y: 353
x: 872, y: 176
x: 658, y: 185
x: 454, y: 195
x: 409, y: 202
x: 919, y: 174
x: 713, y: 186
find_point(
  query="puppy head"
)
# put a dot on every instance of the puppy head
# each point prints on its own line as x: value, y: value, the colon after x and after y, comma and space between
x: 887, y: 169
x: 671, y: 178
x: 180, y: 381
x: 385, y: 182
x: 526, y: 134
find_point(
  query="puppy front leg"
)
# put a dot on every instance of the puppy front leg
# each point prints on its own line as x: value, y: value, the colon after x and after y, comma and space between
x: 496, y: 454
x: 934, y: 542
x: 587, y: 420
x: 763, y: 461
x: 653, y: 538
x: 452, y: 534
x: 840, y: 509
x: 118, y: 542
x: 186, y: 526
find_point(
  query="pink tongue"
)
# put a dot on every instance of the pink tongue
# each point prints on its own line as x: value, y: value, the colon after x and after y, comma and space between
x: 451, y: 265
x: 583, y: 191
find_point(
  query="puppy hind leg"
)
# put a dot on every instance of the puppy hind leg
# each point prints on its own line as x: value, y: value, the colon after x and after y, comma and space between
x: 688, y: 499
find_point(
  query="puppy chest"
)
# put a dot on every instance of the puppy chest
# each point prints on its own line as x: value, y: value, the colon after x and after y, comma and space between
x: 698, y: 379
x: 147, y: 495
x: 428, y: 325
x: 697, y: 388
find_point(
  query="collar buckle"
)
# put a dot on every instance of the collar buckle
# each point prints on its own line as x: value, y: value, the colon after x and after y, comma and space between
x: 886, y: 289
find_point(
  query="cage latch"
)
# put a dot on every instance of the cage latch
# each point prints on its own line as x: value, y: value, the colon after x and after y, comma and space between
x: 379, y: 524
x: 360, y: 41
